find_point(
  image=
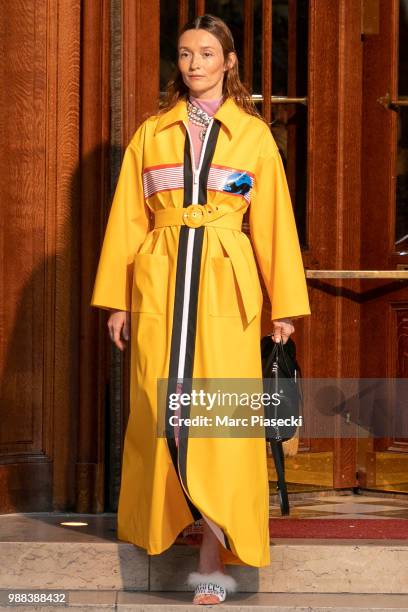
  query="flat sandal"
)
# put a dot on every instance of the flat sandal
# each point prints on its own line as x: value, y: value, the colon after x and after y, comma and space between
x: 213, y: 587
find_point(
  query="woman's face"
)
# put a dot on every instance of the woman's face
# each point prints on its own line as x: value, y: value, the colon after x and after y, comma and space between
x: 201, y: 63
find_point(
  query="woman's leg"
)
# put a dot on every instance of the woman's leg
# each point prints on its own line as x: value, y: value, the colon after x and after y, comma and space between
x: 209, y: 552
x: 209, y: 562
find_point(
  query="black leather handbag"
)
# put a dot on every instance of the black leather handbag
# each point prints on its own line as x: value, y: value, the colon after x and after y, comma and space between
x: 281, y: 374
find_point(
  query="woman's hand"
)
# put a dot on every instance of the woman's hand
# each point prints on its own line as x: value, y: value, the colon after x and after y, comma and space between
x: 282, y: 329
x: 119, y: 322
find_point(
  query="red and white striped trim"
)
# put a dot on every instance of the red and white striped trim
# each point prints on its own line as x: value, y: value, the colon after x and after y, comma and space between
x: 162, y: 178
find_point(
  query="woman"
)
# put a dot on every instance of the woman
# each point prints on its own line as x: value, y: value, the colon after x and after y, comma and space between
x: 179, y: 273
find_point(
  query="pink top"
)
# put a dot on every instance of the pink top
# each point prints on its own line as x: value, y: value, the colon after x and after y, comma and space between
x: 210, y: 107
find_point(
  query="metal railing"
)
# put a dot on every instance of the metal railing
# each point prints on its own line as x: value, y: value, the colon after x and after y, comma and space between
x: 376, y: 274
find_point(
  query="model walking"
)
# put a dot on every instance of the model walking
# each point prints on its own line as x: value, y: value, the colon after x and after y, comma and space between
x: 182, y: 280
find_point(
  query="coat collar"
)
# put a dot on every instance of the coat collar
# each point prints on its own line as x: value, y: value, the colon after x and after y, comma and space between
x: 229, y: 113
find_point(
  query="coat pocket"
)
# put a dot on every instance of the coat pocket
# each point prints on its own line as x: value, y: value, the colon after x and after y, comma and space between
x: 150, y: 282
x: 224, y: 296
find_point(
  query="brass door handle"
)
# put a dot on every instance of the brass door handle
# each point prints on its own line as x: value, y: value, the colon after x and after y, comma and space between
x: 376, y: 274
x: 280, y: 99
x: 388, y: 103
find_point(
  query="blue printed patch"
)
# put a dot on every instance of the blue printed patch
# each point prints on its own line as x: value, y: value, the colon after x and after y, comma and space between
x: 239, y: 183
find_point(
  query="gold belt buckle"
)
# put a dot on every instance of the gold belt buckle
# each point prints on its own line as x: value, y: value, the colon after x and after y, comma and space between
x: 194, y: 215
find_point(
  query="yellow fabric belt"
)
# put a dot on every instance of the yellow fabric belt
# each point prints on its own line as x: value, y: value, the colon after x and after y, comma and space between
x: 196, y: 215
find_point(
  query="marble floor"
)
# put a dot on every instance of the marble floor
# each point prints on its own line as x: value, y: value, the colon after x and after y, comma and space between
x: 346, y: 506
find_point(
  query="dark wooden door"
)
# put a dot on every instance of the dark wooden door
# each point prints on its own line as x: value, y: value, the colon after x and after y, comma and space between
x: 38, y: 394
x: 357, y: 221
x: 383, y: 458
x: 54, y: 145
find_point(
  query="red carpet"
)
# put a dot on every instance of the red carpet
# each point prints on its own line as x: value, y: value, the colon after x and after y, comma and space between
x: 354, y: 529
x: 358, y: 529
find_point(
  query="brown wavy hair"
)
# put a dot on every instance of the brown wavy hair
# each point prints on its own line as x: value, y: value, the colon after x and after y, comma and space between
x: 232, y: 86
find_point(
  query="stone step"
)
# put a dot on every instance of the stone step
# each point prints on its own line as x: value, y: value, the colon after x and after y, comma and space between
x: 126, y: 601
x: 297, y: 567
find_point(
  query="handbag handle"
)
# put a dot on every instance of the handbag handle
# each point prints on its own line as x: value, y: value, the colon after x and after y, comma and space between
x: 278, y: 350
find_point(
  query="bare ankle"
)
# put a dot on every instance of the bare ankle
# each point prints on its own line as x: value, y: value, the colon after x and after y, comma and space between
x: 207, y: 565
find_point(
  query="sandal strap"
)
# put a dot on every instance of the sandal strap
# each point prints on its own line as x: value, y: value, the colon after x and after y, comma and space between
x: 210, y: 588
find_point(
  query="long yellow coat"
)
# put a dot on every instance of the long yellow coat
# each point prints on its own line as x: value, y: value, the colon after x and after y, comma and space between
x: 191, y: 285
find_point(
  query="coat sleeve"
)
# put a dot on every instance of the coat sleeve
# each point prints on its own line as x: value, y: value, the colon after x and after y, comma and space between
x: 127, y: 227
x: 274, y: 236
